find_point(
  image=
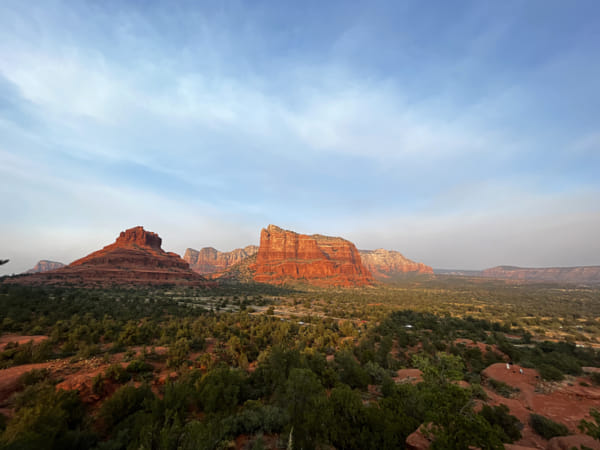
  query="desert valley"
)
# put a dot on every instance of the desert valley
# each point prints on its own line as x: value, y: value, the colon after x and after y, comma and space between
x: 300, y: 342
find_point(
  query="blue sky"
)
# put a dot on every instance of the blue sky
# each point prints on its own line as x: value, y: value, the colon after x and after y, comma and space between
x: 464, y: 134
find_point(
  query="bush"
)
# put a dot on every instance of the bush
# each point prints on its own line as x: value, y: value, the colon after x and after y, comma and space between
x: 550, y: 373
x: 33, y: 377
x: 117, y: 373
x: 510, y: 425
x: 547, y: 428
x: 138, y: 366
x: 502, y: 388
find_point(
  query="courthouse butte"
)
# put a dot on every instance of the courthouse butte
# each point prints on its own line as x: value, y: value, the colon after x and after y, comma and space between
x: 285, y: 256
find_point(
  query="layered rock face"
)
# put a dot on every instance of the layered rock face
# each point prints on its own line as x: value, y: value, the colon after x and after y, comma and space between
x: 579, y: 275
x: 45, y: 266
x: 321, y: 260
x: 385, y: 263
x: 209, y: 260
x: 136, y: 257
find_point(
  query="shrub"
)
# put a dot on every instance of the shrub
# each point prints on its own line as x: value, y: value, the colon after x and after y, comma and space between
x: 502, y: 388
x: 547, y: 428
x: 510, y: 425
x: 550, y: 373
x: 138, y: 366
x: 33, y: 377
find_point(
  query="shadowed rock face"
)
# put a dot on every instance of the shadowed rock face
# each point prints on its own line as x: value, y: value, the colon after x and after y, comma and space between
x: 582, y: 275
x: 322, y: 260
x: 385, y: 263
x: 136, y: 257
x: 209, y: 260
x: 45, y: 266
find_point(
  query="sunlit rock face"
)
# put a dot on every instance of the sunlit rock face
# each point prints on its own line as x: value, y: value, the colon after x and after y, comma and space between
x: 209, y: 260
x: 386, y: 263
x: 136, y: 257
x: 321, y: 260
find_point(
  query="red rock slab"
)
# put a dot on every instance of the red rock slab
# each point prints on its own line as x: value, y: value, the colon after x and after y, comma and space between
x: 7, y: 338
x: 417, y: 439
x: 574, y: 441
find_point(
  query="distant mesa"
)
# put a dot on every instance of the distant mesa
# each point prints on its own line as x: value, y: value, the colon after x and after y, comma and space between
x: 45, y: 266
x: 384, y: 264
x: 285, y: 256
x: 576, y: 275
x: 209, y: 260
x: 135, y: 258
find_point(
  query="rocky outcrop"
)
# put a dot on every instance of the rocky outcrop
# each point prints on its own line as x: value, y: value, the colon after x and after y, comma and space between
x: 209, y: 260
x: 578, y: 275
x: 45, y: 266
x: 135, y: 258
x: 386, y: 263
x: 285, y: 256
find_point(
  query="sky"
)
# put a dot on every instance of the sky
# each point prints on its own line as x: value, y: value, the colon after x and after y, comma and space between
x: 463, y: 134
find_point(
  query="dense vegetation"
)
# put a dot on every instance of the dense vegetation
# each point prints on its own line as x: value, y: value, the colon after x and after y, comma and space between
x: 300, y: 366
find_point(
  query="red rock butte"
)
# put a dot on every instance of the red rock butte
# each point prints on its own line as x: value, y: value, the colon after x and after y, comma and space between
x: 210, y: 260
x: 285, y: 256
x: 136, y: 258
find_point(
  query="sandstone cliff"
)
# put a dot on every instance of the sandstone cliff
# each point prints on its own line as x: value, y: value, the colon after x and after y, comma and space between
x: 578, y: 275
x: 135, y: 258
x: 385, y: 263
x: 45, y: 266
x: 209, y: 260
x: 321, y: 260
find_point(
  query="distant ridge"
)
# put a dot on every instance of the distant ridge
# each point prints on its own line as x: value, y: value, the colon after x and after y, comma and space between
x: 384, y: 264
x: 45, y: 266
x: 578, y: 274
x: 209, y: 260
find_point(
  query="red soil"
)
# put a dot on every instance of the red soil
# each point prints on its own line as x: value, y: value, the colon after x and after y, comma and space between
x: 561, y: 402
x: 8, y: 338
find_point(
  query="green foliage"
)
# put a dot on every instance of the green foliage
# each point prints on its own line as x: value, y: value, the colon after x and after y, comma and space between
x: 32, y: 377
x: 441, y: 368
x: 498, y: 416
x: 502, y: 388
x: 220, y: 390
x: 306, y: 404
x: 350, y: 371
x: 46, y: 419
x: 126, y: 401
x: 591, y: 428
x: 547, y: 428
x: 139, y: 366
x: 117, y: 373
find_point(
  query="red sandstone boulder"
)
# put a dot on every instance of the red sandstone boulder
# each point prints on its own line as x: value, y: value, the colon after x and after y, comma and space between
x: 136, y: 257
x: 385, y: 263
x: 209, y: 260
x: 321, y: 260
